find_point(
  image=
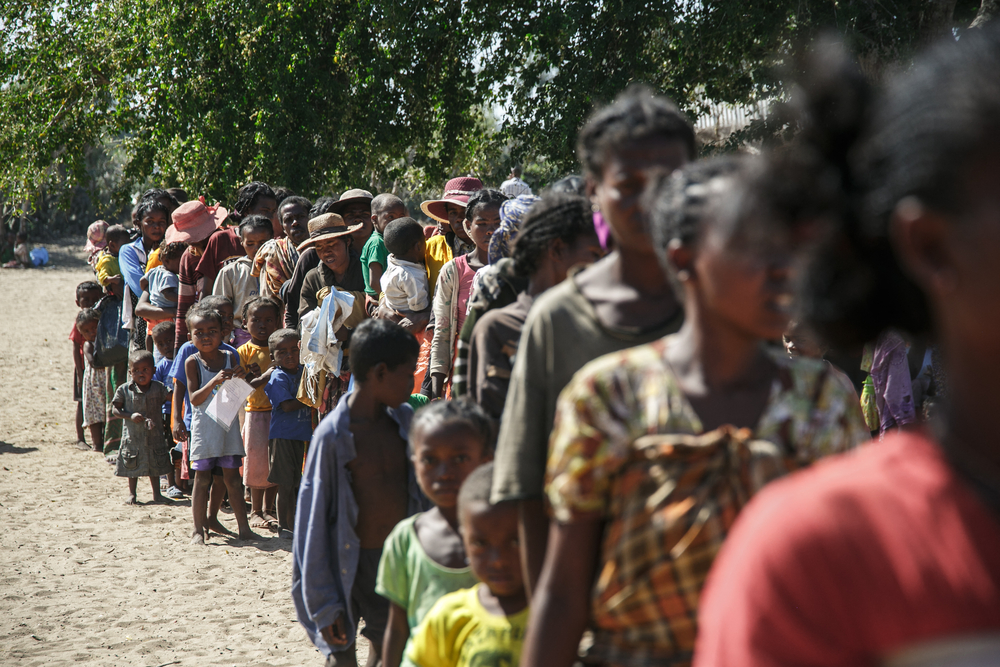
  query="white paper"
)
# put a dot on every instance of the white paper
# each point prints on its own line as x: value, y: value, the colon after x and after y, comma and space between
x: 227, y: 402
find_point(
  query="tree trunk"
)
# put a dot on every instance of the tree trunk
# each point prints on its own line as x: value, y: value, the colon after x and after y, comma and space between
x: 989, y: 9
x: 935, y: 19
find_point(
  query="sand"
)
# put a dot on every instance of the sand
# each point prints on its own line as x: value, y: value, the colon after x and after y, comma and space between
x: 85, y: 579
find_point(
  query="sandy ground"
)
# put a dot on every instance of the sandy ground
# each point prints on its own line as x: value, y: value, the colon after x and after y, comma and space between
x: 85, y: 579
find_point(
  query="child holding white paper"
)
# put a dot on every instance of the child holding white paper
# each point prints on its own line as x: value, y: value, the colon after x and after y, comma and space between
x: 213, y: 443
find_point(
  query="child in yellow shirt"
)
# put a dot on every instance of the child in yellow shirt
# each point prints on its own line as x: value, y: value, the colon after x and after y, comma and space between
x: 108, y: 272
x: 485, y: 624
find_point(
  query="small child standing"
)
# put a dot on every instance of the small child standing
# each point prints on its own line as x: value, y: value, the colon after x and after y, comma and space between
x: 385, y: 209
x: 489, y: 619
x: 95, y: 379
x: 87, y: 296
x: 212, y: 444
x: 144, y: 451
x: 357, y: 485
x: 424, y: 557
x: 95, y: 241
x: 234, y: 279
x: 261, y: 316
x: 290, y: 429
x: 109, y: 275
x: 163, y: 340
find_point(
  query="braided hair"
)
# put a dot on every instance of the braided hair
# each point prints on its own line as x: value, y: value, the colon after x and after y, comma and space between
x: 565, y: 217
x: 483, y: 198
x: 635, y: 115
x: 248, y: 196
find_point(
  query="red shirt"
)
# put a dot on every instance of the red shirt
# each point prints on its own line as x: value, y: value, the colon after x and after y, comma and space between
x: 78, y: 339
x: 848, y: 562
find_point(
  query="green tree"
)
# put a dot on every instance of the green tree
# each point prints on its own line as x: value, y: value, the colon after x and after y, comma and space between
x: 322, y: 95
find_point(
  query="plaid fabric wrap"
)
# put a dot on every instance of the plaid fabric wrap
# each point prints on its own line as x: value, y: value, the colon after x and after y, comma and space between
x: 673, y: 505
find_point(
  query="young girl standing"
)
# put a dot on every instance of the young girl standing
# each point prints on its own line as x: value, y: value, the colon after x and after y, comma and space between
x: 211, y: 444
x: 95, y: 383
x: 656, y: 448
x: 454, y: 284
x: 261, y: 316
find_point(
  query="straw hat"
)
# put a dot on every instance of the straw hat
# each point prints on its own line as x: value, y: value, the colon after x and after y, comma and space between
x: 327, y: 226
x: 456, y: 191
x: 193, y: 221
x: 349, y: 197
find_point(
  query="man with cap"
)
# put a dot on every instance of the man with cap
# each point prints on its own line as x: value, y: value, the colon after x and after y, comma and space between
x: 355, y: 207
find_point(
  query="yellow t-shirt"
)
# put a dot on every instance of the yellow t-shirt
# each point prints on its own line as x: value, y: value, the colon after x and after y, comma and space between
x: 437, y: 253
x: 107, y: 267
x: 254, y: 354
x: 459, y: 632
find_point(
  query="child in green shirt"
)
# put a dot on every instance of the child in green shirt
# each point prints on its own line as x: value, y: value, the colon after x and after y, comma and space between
x: 424, y: 557
x: 374, y: 256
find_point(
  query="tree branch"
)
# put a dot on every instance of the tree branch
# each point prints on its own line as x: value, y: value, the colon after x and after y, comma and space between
x: 988, y: 9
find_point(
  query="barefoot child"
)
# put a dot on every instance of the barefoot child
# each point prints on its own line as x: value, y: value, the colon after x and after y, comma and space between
x: 94, y: 386
x: 484, y: 624
x: 212, y: 445
x: 357, y: 485
x: 144, y: 451
x: 290, y: 429
x: 181, y: 406
x: 261, y: 316
x: 163, y: 339
x: 87, y: 295
x: 424, y: 557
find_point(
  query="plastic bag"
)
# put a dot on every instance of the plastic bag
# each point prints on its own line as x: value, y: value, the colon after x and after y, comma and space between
x: 321, y: 353
x: 39, y: 256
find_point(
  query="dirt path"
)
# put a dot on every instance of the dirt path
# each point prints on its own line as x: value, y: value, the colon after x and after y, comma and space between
x: 85, y: 579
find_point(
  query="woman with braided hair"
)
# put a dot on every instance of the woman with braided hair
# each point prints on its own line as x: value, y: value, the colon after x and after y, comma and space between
x: 557, y: 234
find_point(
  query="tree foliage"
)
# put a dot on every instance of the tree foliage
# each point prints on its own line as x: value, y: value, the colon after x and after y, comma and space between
x: 323, y: 95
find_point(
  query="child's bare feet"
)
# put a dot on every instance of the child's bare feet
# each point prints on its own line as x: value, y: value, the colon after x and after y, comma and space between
x: 160, y: 499
x: 98, y: 448
x: 82, y: 446
x: 214, y: 525
x: 248, y: 535
x: 131, y: 500
x: 197, y: 537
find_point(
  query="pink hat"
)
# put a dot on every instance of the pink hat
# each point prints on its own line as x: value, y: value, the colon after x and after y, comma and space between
x: 194, y: 221
x: 456, y: 191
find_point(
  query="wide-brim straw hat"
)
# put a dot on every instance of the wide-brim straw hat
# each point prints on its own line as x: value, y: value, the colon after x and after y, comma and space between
x: 193, y: 221
x: 349, y: 197
x: 456, y: 191
x: 327, y: 226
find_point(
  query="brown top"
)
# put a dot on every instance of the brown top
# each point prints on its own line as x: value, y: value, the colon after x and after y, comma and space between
x: 491, y: 353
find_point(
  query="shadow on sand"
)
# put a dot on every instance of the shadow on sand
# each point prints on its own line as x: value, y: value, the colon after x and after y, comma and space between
x: 7, y: 448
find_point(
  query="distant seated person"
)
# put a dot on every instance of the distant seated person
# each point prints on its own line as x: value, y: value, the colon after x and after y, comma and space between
x: 21, y: 253
x: 404, y: 283
x: 108, y: 272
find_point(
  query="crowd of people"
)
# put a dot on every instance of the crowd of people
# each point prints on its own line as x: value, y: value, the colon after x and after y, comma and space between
x: 728, y: 411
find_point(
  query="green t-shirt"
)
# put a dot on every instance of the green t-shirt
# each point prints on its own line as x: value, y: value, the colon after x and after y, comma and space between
x: 409, y: 578
x: 374, y: 251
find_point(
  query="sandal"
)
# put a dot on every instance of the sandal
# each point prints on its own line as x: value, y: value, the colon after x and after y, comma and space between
x: 173, y: 493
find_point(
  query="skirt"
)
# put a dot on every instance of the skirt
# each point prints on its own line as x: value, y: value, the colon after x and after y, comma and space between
x: 94, y: 396
x: 255, y: 465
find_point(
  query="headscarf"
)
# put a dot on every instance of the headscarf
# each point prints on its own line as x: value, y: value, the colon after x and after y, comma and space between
x: 512, y: 213
x: 95, y: 240
x: 275, y: 261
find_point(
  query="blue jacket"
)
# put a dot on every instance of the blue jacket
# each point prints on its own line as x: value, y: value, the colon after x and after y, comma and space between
x: 326, y: 547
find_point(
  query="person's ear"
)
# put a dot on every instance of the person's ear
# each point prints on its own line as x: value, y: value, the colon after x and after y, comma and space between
x: 381, y: 369
x: 681, y: 258
x: 921, y: 238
